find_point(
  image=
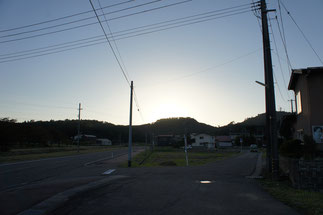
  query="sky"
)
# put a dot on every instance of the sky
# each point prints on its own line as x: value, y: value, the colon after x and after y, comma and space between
x: 204, y: 70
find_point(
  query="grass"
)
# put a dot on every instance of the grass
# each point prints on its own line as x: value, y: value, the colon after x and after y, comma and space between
x: 167, y: 156
x: 306, y: 202
x: 49, y: 152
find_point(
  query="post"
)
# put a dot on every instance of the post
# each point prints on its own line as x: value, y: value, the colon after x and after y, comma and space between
x: 79, y: 129
x: 185, y: 148
x: 271, y: 125
x: 241, y: 140
x: 130, y: 127
x: 291, y: 105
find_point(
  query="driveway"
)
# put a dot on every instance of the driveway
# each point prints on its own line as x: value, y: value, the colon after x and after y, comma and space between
x: 181, y: 190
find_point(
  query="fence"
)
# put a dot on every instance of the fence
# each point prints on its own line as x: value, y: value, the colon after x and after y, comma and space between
x: 303, y: 174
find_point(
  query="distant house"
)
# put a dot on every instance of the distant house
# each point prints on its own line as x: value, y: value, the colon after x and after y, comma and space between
x: 203, y: 140
x: 85, y: 138
x: 307, y: 85
x: 165, y: 140
x: 104, y: 142
x: 223, y: 142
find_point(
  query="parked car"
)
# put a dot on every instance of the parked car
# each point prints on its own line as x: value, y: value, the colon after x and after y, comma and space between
x: 253, y: 148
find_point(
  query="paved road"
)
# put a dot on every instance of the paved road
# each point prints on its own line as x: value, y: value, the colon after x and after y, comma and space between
x: 24, y: 184
x: 177, y: 190
x: 23, y: 173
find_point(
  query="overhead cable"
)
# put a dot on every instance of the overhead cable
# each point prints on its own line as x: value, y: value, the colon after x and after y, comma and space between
x: 303, y: 34
x: 93, y: 23
x: 114, y: 53
x: 96, y: 40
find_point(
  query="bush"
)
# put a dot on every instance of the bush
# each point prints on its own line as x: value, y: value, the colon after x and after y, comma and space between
x: 292, y: 148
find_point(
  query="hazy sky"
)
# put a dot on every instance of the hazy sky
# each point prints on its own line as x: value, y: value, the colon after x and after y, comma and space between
x: 205, y: 70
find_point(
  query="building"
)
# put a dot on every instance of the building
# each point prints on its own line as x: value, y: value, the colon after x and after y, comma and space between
x: 203, y: 140
x: 223, y: 142
x: 307, y: 85
x: 165, y: 140
x: 104, y: 142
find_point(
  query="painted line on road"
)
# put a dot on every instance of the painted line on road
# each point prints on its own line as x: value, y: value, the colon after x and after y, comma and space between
x: 109, y: 171
x: 106, y: 158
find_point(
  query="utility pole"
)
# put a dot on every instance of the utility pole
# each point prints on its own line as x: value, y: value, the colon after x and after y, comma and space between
x: 291, y: 105
x: 79, y: 129
x: 130, y: 127
x: 271, y: 125
x: 185, y: 142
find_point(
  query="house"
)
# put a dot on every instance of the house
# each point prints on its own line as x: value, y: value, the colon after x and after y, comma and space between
x: 307, y: 85
x: 203, y: 140
x: 223, y: 142
x: 104, y: 142
x: 85, y: 138
x: 165, y: 140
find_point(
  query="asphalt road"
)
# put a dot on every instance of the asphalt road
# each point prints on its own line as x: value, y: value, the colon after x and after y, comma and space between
x: 178, y: 190
x: 19, y: 174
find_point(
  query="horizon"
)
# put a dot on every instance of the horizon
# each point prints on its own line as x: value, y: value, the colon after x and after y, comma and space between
x: 169, y: 118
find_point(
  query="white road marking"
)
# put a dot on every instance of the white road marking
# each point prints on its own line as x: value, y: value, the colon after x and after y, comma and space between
x: 109, y: 171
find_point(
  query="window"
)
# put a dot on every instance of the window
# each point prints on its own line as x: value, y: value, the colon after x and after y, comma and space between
x: 298, y: 102
x: 201, y: 137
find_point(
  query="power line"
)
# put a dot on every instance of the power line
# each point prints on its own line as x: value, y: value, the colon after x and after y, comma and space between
x: 113, y: 40
x: 303, y: 34
x: 285, y: 47
x: 211, y: 68
x: 79, y: 20
x: 61, y: 18
x: 138, y: 107
x: 171, y: 22
x: 85, y: 25
x: 280, y: 65
x: 90, y: 43
x: 123, y: 72
x: 280, y: 93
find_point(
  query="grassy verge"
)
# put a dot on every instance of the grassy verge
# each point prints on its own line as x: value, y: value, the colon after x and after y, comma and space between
x: 50, y: 152
x: 165, y: 156
x: 306, y: 202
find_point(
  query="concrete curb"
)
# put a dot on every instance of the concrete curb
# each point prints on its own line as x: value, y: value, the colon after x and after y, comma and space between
x: 58, y: 200
x: 257, y: 172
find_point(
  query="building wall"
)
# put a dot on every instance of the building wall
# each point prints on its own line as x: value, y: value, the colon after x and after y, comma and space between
x: 311, y: 87
x: 203, y: 138
x: 316, y: 98
x: 302, y: 125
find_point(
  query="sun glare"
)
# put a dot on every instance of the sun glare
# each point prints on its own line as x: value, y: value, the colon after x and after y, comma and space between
x: 168, y: 110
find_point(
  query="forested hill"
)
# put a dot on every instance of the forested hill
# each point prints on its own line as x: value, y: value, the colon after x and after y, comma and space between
x: 64, y: 130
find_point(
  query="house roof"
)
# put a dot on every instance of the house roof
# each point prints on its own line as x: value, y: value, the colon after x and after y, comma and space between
x: 298, y: 72
x: 223, y: 138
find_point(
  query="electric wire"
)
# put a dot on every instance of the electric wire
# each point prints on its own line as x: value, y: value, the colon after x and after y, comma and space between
x: 114, y: 42
x: 60, y: 18
x: 280, y: 93
x: 303, y: 34
x: 123, y: 72
x: 79, y: 20
x: 93, y: 23
x: 279, y: 62
x: 87, y: 43
x: 131, y: 29
x: 285, y: 47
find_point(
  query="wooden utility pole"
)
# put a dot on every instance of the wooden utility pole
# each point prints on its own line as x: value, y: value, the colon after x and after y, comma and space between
x: 130, y: 126
x: 271, y: 122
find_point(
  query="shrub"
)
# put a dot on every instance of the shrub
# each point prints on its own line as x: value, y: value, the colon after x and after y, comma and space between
x: 292, y: 148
